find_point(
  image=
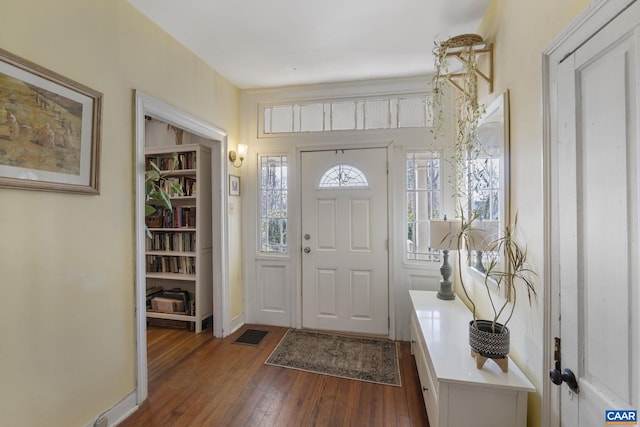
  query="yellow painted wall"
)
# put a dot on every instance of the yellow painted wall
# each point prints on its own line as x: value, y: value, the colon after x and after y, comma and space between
x: 67, y: 329
x: 235, y: 250
x: 520, y: 31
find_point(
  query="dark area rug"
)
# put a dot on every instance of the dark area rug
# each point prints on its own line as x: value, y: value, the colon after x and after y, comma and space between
x: 251, y: 337
x: 364, y: 359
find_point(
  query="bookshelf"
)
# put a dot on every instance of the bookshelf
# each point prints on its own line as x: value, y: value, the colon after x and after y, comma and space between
x: 179, y: 253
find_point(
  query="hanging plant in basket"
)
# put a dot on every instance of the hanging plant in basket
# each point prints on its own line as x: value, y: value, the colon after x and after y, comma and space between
x: 468, y: 111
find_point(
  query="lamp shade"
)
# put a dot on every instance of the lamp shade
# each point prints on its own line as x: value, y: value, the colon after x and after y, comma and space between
x: 242, y: 151
x: 482, y: 234
x: 443, y: 234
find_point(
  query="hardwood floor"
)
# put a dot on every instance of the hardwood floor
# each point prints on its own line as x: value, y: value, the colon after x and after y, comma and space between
x: 198, y: 380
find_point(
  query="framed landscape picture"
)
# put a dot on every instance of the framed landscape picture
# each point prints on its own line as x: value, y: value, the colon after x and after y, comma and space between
x: 50, y: 129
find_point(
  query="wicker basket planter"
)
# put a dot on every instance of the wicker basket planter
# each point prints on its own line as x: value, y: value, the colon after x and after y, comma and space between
x: 487, y: 342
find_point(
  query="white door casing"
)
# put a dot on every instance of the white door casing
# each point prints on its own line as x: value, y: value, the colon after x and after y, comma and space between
x: 595, y: 189
x: 146, y: 105
x: 345, y: 284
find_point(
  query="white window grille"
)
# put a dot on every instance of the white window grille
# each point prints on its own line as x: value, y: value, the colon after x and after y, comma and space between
x: 424, y: 196
x: 343, y: 176
x: 273, y: 204
x: 483, y: 192
x: 391, y: 112
x: 342, y: 117
x: 483, y: 184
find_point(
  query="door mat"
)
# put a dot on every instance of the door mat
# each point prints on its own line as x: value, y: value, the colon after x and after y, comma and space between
x: 363, y: 359
x: 251, y: 337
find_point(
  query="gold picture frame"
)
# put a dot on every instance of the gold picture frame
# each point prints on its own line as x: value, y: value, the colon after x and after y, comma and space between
x: 50, y: 129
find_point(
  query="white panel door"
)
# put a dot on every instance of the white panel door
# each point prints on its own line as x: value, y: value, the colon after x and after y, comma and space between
x: 345, y: 285
x: 597, y: 210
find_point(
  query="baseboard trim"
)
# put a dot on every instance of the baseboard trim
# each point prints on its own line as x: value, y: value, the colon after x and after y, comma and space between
x: 236, y: 324
x: 118, y: 412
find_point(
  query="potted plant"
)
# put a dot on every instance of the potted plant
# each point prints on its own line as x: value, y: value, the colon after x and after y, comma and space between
x: 159, y: 190
x: 489, y: 338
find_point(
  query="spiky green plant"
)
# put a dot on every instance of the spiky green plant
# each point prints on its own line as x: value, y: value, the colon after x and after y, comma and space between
x: 514, y: 270
x: 507, y: 275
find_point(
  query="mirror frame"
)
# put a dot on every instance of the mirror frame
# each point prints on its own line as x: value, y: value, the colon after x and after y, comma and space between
x: 498, y: 111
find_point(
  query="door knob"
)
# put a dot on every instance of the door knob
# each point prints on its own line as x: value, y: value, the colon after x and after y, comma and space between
x: 307, y: 250
x: 566, y: 376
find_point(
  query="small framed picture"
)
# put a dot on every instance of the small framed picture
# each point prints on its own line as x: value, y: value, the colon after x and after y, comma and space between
x: 234, y: 185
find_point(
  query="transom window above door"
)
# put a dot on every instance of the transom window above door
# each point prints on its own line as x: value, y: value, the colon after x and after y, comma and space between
x: 385, y: 112
x: 343, y: 176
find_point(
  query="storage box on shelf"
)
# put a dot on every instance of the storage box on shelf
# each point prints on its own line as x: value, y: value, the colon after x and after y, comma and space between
x: 457, y: 393
x: 179, y: 252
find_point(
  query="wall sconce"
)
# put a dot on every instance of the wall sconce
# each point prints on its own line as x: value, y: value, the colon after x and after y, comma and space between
x: 443, y: 235
x: 240, y: 155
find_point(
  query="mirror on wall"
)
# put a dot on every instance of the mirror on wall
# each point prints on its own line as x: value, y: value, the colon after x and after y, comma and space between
x: 487, y: 175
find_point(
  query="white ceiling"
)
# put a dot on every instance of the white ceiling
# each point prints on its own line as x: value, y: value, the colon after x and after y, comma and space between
x: 261, y: 43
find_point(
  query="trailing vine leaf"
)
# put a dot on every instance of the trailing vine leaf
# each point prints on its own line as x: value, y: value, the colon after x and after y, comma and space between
x: 468, y: 111
x: 438, y: 89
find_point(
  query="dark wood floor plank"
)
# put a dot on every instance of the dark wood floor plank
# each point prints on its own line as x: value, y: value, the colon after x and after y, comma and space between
x: 340, y: 409
x: 300, y: 400
x: 198, y: 380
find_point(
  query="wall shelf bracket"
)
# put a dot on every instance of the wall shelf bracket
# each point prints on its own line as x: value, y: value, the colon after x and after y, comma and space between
x: 488, y: 77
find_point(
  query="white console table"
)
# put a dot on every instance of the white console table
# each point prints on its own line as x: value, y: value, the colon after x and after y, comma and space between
x: 455, y: 392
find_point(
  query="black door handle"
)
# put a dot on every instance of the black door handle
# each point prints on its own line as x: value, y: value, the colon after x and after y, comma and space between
x: 566, y: 376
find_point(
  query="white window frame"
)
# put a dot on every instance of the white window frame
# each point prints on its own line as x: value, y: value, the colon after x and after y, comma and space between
x: 284, y: 187
x: 322, y: 185
x: 434, y: 254
x: 394, y: 103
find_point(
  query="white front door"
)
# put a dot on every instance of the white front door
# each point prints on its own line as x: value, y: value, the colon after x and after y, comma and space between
x: 345, y: 284
x: 596, y: 199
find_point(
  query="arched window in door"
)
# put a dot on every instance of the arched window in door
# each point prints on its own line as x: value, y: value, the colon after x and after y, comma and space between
x: 341, y: 176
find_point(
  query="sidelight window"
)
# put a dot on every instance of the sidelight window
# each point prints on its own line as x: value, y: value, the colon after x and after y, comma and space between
x: 424, y: 195
x: 273, y: 204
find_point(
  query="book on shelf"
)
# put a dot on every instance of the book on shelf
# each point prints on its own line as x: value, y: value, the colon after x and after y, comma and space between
x: 172, y: 241
x: 178, y: 217
x: 165, y: 162
x: 161, y: 295
x: 186, y: 184
x: 152, y: 292
x: 187, y: 160
x: 167, y: 305
x: 171, y: 264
